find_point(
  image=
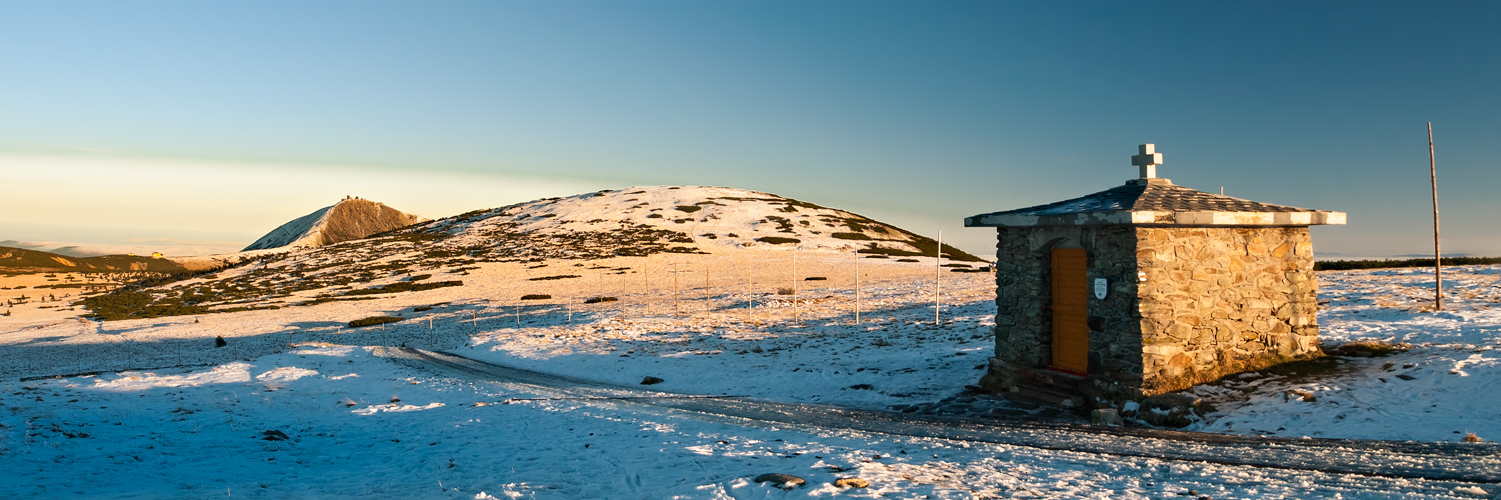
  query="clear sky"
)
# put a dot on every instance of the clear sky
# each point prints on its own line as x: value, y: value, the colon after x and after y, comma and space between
x: 199, y: 126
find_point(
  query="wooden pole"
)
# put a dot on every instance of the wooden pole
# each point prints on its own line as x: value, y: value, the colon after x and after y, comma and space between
x: 857, y: 287
x: 937, y: 278
x: 1438, y: 272
x: 795, y: 318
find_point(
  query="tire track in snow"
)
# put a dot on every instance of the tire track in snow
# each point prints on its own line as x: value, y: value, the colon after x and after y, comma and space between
x: 1437, y: 461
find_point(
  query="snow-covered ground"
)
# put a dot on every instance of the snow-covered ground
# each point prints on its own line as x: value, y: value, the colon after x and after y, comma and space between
x: 359, y: 426
x: 1441, y: 389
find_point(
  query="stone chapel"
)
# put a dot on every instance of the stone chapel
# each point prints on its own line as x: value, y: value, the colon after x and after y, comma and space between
x: 1148, y: 288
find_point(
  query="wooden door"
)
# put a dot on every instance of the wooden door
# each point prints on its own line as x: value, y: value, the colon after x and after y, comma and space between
x: 1070, y: 306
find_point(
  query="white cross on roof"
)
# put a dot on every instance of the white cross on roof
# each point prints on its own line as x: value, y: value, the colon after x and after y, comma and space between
x: 1148, y: 160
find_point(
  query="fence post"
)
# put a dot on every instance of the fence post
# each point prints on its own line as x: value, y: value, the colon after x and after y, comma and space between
x: 937, y: 278
x: 857, y: 287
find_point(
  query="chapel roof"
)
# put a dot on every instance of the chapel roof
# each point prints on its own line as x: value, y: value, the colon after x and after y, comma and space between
x: 1152, y: 200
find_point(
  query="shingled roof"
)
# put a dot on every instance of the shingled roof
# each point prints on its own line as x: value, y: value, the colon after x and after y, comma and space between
x: 1156, y: 201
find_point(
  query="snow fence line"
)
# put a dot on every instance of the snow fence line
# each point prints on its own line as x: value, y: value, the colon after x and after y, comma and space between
x: 1442, y: 461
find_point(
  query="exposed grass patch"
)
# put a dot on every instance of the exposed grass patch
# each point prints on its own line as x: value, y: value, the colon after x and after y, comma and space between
x: 1324, y: 365
x: 405, y: 286
x: 926, y: 248
x: 776, y: 240
x: 786, y: 291
x: 536, y: 296
x: 784, y: 224
x: 596, y: 300
x: 815, y: 278
x: 1366, y: 349
x: 133, y: 304
x: 322, y: 299
x: 1345, y: 265
x: 558, y: 277
x: 416, y: 237
x: 373, y: 320
x: 688, y: 208
x: 850, y: 236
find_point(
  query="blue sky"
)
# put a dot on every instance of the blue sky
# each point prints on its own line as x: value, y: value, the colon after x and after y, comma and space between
x: 208, y: 123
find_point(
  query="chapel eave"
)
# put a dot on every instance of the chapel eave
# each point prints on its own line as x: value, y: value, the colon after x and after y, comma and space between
x: 1155, y: 201
x: 1159, y: 218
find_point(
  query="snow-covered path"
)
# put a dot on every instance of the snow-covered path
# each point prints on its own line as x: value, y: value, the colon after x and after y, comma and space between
x: 1444, y: 461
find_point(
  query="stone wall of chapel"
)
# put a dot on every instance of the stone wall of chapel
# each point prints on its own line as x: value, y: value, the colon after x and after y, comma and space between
x: 1219, y: 301
x: 1024, y: 323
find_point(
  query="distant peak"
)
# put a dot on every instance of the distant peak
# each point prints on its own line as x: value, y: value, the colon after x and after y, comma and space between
x: 351, y: 218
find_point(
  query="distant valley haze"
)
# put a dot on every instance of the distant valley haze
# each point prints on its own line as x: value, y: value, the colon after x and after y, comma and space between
x: 191, y: 129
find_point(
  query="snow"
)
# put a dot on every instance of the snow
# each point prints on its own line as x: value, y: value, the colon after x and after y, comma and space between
x: 159, y: 412
x: 297, y: 232
x: 167, y: 439
x: 899, y: 354
x: 362, y: 426
x: 1439, y: 390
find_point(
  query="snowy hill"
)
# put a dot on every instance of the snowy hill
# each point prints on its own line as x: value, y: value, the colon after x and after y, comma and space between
x: 678, y: 219
x: 349, y: 219
x: 503, y: 244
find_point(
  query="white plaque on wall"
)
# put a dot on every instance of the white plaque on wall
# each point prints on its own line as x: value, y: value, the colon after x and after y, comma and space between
x: 1099, y: 288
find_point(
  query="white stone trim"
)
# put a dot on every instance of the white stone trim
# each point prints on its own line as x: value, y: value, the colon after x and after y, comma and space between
x: 1165, y: 218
